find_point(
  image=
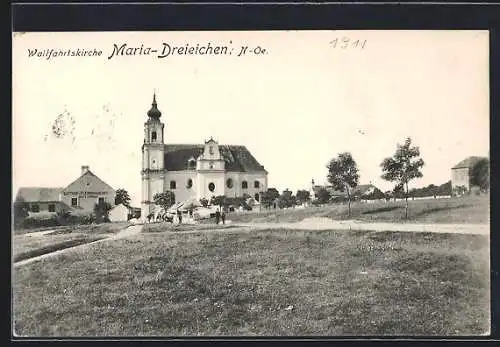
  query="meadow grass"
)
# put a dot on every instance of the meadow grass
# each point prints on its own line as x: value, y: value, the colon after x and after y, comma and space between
x: 265, y: 283
x: 469, y: 209
x: 175, y: 227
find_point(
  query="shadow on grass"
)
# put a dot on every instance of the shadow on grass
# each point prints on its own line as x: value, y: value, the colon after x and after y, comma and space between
x: 382, y: 209
x: 440, y: 209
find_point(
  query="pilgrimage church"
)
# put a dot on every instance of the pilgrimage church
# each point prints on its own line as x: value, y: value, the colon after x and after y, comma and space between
x: 196, y: 171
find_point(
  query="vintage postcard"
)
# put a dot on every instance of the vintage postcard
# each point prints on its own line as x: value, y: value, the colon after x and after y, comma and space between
x: 251, y: 183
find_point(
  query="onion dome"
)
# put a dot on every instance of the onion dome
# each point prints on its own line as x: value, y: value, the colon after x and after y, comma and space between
x: 154, y: 112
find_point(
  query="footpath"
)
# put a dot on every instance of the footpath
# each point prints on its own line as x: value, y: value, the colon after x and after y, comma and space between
x: 131, y: 230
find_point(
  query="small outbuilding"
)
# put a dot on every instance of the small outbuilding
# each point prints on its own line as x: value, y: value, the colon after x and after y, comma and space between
x: 119, y: 213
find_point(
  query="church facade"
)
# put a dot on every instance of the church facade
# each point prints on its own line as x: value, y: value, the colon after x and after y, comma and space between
x: 198, y: 171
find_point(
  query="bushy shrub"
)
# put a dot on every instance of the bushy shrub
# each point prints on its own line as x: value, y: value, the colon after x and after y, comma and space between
x: 75, y: 218
x: 51, y: 219
x: 39, y: 220
x: 101, y: 212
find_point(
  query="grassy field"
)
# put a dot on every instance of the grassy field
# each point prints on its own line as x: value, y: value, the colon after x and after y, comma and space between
x: 470, y: 209
x: 279, y: 283
x: 173, y: 227
x: 103, y: 228
x: 25, y: 246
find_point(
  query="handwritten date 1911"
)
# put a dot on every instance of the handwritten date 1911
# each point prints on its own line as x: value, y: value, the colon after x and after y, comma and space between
x: 348, y: 43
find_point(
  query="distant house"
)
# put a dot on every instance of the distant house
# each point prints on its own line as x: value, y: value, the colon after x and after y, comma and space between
x: 80, y: 196
x: 362, y: 191
x: 87, y: 190
x: 333, y: 192
x: 367, y: 191
x: 461, y: 174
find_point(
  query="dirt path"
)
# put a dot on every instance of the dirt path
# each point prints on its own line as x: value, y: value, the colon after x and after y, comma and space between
x: 131, y: 230
x: 37, y: 233
x: 318, y: 224
x: 306, y: 224
x: 326, y: 223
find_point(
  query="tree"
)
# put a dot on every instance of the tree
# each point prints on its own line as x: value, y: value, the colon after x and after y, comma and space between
x: 343, y: 175
x: 303, y: 196
x: 101, y: 212
x: 286, y: 199
x: 21, y: 209
x: 480, y: 175
x: 122, y: 197
x: 269, y: 197
x: 403, y: 167
x: 444, y: 189
x: 388, y: 195
x: 322, y: 195
x: 165, y: 199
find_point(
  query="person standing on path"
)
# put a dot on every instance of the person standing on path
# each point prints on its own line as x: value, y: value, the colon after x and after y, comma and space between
x: 179, y: 216
x: 223, y: 217
x: 217, y: 216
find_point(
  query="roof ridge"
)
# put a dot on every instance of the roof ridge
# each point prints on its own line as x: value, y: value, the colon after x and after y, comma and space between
x: 201, y: 144
x: 39, y: 187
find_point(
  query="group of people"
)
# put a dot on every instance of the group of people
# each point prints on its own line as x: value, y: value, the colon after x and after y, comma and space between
x: 220, y: 217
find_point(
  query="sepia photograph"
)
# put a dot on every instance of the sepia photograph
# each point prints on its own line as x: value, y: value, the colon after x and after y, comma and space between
x: 251, y: 183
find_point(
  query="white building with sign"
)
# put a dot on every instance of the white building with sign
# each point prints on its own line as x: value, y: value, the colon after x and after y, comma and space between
x: 86, y: 191
x: 80, y: 196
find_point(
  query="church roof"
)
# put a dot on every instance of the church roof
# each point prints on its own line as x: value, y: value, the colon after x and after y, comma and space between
x: 237, y: 158
x: 38, y: 194
x: 468, y: 162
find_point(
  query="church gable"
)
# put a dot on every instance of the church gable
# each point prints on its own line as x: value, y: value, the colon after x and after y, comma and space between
x: 88, y: 182
x: 211, y: 151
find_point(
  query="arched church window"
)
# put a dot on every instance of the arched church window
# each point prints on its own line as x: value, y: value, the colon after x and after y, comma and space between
x: 153, y: 164
x: 229, y: 183
x: 153, y: 136
x: 211, y: 186
x: 211, y: 150
x: 256, y: 184
x: 192, y: 164
x: 244, y: 184
x: 173, y: 185
x: 189, y: 183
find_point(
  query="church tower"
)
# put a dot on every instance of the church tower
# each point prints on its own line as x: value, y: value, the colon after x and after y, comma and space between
x: 153, y: 155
